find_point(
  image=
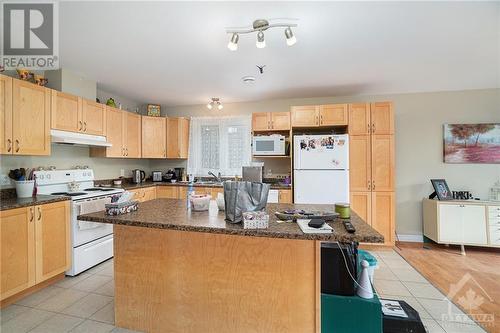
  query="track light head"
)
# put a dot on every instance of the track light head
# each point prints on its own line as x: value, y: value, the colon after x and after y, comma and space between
x: 233, y: 43
x: 261, y: 42
x: 290, y: 37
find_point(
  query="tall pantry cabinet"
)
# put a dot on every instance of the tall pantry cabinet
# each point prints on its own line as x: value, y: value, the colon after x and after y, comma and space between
x: 371, y: 174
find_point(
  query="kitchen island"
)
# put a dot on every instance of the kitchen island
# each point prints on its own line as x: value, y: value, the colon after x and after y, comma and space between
x: 178, y: 270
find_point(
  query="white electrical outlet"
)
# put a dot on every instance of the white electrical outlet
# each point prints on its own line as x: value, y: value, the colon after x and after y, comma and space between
x: 4, y: 180
x: 122, y: 173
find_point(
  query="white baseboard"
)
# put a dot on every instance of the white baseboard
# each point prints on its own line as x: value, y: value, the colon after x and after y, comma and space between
x: 410, y: 238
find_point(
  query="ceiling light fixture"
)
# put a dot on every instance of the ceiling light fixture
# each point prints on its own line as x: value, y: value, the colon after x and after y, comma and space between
x: 259, y: 26
x: 215, y: 102
x: 233, y: 43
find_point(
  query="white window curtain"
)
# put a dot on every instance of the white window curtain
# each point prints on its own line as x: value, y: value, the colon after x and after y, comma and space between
x: 219, y: 144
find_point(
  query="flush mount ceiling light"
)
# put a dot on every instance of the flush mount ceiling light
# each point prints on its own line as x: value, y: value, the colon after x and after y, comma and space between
x: 259, y: 26
x: 215, y: 102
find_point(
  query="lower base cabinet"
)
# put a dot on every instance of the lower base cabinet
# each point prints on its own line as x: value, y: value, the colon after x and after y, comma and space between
x: 144, y: 194
x: 35, y: 245
x: 169, y: 192
x: 378, y: 210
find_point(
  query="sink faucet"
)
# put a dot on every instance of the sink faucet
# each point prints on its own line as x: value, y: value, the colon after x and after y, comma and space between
x: 217, y: 178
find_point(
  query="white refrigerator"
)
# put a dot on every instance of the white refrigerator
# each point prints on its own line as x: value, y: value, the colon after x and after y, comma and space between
x: 321, y: 169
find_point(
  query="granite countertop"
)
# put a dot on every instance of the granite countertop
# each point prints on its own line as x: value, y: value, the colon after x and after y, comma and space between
x: 173, y: 214
x: 15, y: 202
x: 132, y: 186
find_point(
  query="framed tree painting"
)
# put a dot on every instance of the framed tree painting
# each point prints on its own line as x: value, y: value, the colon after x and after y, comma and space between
x: 471, y: 143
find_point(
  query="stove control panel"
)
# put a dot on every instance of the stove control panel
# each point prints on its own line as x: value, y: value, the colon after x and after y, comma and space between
x: 63, y: 176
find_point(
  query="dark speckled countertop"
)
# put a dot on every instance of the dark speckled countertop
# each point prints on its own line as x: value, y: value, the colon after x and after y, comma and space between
x: 15, y: 202
x: 172, y: 214
x: 131, y: 186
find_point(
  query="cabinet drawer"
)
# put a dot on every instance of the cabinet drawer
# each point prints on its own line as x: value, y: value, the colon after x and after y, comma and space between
x: 494, y: 220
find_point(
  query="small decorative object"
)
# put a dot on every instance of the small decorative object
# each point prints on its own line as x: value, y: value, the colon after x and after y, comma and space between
x: 111, y: 102
x: 441, y: 189
x: 471, y: 143
x: 154, y: 110
x: 40, y: 80
x: 462, y: 195
x: 24, y: 74
x: 343, y: 209
x: 121, y: 208
x: 199, y: 202
x: 97, y: 100
x: 255, y: 220
x: 495, y: 192
x: 220, y: 201
x: 365, y: 287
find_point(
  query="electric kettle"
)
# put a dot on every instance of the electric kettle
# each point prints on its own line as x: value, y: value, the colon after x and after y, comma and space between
x: 138, y: 176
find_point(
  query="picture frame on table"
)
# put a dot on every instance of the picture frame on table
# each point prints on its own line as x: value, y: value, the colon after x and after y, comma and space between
x: 154, y: 110
x: 441, y: 189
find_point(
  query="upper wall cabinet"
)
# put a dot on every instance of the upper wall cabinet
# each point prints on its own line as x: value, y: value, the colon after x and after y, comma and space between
x: 382, y: 118
x: 132, y: 135
x: 154, y: 137
x: 359, y: 119
x: 320, y: 115
x: 5, y: 115
x: 74, y: 114
x: 177, y: 137
x: 30, y: 119
x: 271, y: 121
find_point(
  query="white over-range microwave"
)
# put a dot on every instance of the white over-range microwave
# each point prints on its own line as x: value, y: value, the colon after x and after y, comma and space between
x: 269, y: 145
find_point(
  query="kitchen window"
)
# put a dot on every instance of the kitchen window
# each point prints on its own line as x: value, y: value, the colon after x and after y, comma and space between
x: 219, y: 144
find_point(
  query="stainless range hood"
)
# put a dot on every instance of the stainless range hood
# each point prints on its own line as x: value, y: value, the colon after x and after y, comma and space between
x: 78, y: 139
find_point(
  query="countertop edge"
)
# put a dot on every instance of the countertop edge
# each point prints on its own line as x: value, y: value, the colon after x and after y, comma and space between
x: 14, y: 203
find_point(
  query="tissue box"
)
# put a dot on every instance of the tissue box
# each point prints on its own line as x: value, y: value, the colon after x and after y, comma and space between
x: 121, y: 208
x: 255, y: 220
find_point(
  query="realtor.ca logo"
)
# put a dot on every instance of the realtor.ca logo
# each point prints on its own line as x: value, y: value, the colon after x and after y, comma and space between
x: 29, y: 35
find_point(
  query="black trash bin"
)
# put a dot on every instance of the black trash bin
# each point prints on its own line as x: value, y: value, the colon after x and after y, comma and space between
x: 412, y: 324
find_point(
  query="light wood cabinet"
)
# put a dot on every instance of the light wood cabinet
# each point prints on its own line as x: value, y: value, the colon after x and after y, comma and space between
x: 360, y: 163
x: 5, y: 115
x: 35, y: 245
x: 144, y: 194
x: 382, y: 162
x: 132, y: 135
x: 30, y: 119
x: 383, y: 215
x: 66, y: 112
x: 333, y: 115
x: 168, y: 191
x: 271, y: 121
x: 305, y: 116
x: 382, y: 118
x: 154, y: 131
x: 359, y: 119
x: 285, y: 196
x: 177, y: 137
x: 361, y: 204
x: 183, y: 191
x: 52, y: 239
x: 17, y: 250
x: 93, y: 117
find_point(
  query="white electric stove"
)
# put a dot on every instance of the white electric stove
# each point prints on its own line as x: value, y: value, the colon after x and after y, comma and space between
x: 92, y: 243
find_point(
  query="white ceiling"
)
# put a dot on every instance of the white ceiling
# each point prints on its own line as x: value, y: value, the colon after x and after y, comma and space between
x: 175, y: 53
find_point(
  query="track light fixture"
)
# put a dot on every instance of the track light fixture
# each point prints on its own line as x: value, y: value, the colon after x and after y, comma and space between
x: 260, y: 26
x: 215, y: 102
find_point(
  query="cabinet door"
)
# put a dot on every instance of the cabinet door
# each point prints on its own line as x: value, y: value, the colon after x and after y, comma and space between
x: 94, y: 118
x: 5, y: 115
x: 285, y: 196
x: 132, y: 136
x: 31, y: 119
x: 169, y: 192
x: 114, y: 132
x: 261, y: 121
x: 383, y: 215
x: 450, y: 224
x: 52, y: 235
x: 305, y: 116
x: 182, y: 192
x: 149, y: 193
x: 280, y: 121
x: 382, y: 156
x: 360, y: 163
x: 154, y: 131
x: 333, y: 114
x: 382, y: 118
x: 66, y: 112
x: 359, y: 119
x: 215, y: 191
x: 361, y: 204
x: 17, y: 250
x: 139, y: 194
x: 177, y: 137
x: 474, y: 224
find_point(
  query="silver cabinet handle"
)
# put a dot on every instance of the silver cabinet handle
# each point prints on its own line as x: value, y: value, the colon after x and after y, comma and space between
x: 9, y: 145
x: 373, y: 128
x: 85, y: 126
x: 39, y: 214
x: 17, y: 146
x: 32, y: 215
x: 373, y: 185
x: 81, y: 125
x: 369, y: 185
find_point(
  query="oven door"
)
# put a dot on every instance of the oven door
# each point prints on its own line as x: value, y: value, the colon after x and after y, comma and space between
x: 84, y: 232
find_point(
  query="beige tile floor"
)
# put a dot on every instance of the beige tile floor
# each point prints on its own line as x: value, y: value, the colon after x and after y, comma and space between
x: 85, y: 304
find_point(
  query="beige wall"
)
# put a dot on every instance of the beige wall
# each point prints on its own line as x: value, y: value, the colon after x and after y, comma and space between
x: 419, y: 133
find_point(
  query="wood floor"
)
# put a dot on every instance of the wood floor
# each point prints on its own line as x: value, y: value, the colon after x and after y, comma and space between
x: 471, y: 281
